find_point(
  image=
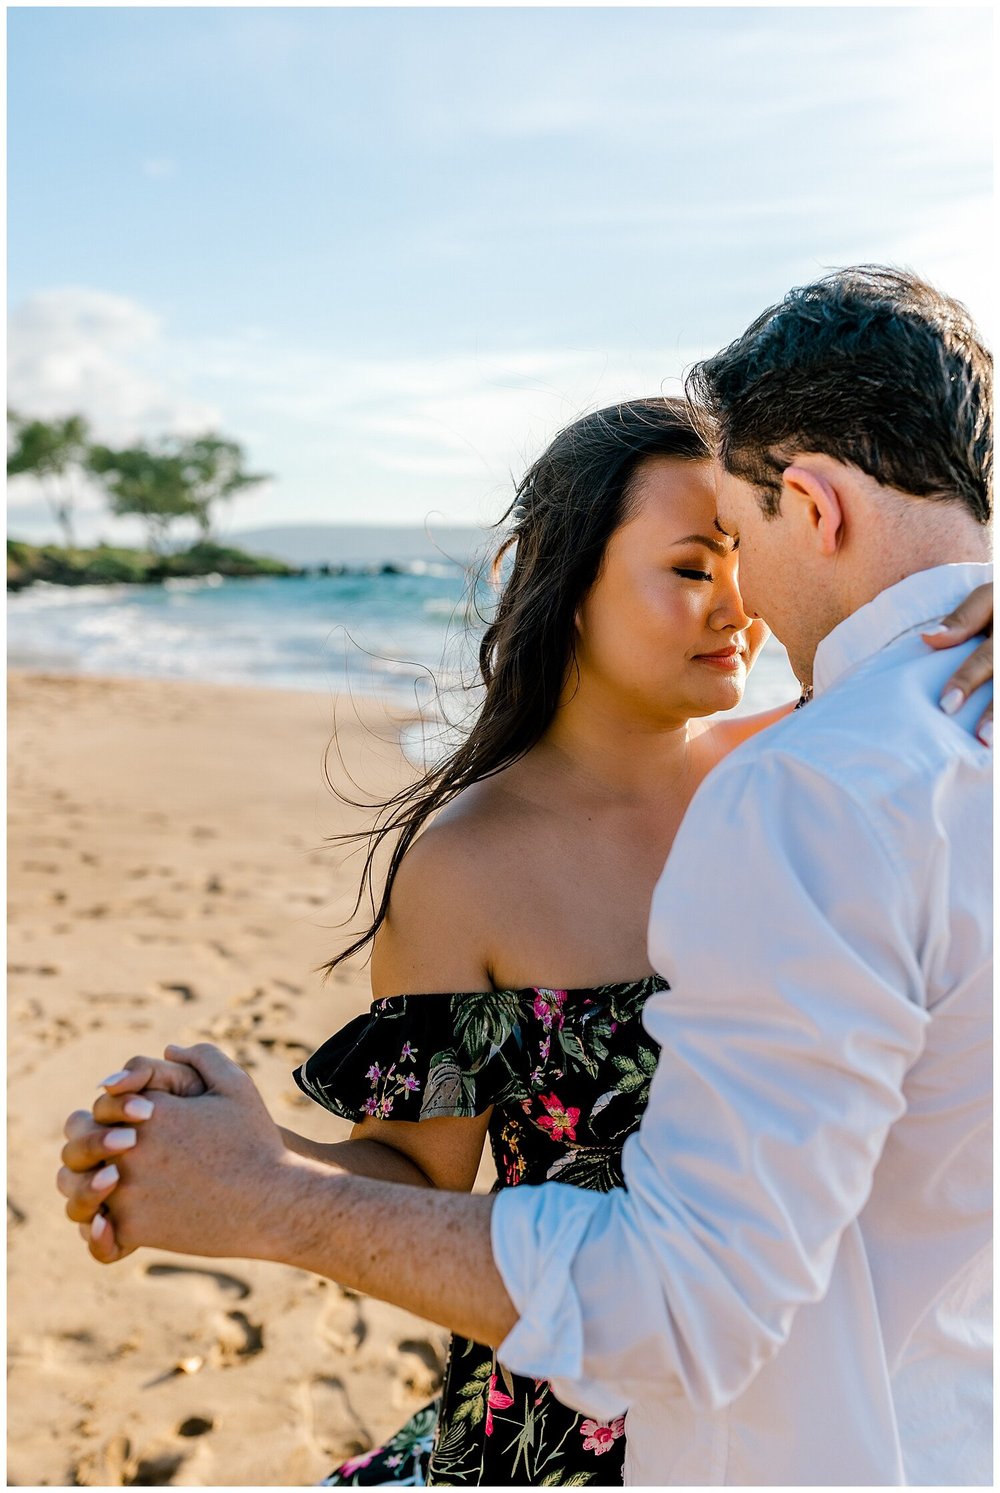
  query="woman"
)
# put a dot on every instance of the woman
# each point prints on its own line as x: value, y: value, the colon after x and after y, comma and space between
x: 509, y: 966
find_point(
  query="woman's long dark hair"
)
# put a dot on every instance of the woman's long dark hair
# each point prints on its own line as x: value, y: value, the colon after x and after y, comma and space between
x: 569, y: 503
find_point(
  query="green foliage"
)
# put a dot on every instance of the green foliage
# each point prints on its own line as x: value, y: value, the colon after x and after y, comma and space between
x: 146, y: 484
x: 57, y: 453
x: 213, y: 471
x: 106, y: 565
x: 177, y: 478
x: 206, y: 558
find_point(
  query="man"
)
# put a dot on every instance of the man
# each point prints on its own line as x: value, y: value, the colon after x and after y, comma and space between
x: 794, y: 1286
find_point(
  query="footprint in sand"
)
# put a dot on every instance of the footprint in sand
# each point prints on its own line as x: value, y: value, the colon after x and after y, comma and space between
x: 332, y: 1421
x: 231, y: 1285
x: 119, y: 1465
x: 195, y: 1425
x: 342, y: 1326
x: 184, y: 993
x: 237, y: 1339
x: 422, y: 1367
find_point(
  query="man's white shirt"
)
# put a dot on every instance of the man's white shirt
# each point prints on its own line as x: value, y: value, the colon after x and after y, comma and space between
x: 794, y: 1285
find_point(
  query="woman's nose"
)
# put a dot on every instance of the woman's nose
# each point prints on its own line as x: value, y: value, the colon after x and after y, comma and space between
x: 728, y: 612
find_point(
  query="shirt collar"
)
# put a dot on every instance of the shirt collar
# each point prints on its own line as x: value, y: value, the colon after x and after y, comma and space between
x: 914, y: 602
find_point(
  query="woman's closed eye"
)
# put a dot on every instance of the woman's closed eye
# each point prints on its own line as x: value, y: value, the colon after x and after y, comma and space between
x: 692, y: 575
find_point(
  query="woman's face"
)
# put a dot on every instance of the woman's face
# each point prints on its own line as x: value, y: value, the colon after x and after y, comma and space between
x: 663, y: 626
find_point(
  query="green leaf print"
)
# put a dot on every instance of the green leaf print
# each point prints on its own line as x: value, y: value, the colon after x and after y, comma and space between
x: 635, y: 1072
x: 449, y: 1091
x: 485, y: 1019
x: 596, y: 1168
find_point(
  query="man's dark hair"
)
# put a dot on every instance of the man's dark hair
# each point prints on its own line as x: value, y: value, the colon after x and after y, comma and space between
x: 869, y: 365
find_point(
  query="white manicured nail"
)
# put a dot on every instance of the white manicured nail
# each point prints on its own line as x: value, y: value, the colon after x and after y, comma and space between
x: 985, y: 733
x: 138, y: 1108
x: 109, y: 1083
x: 105, y: 1177
x: 120, y: 1140
x: 98, y: 1225
x: 937, y: 630
x: 952, y: 701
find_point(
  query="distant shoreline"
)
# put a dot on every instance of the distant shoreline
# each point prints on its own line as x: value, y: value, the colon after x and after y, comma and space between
x: 108, y: 565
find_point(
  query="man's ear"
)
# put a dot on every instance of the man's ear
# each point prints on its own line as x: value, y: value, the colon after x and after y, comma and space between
x: 816, y: 501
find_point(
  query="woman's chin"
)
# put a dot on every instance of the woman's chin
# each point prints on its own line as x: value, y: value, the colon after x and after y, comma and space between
x: 725, y: 694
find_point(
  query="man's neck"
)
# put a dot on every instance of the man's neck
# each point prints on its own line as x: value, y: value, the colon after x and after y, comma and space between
x: 916, y: 534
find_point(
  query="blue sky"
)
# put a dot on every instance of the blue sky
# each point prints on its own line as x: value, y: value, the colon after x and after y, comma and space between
x: 392, y: 251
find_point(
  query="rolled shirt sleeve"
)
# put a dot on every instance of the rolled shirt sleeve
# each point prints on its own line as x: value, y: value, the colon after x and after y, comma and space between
x: 786, y: 929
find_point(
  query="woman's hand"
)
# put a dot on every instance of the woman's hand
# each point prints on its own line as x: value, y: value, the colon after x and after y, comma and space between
x: 973, y: 616
x: 94, y: 1138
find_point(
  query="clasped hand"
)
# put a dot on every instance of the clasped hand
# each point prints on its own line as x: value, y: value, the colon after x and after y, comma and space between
x: 188, y: 1164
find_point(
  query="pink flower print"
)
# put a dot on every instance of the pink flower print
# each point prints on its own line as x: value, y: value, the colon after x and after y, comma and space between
x: 548, y: 1007
x: 374, y: 1073
x: 599, y: 1437
x: 372, y: 1106
x: 545, y: 1049
x: 356, y: 1463
x: 497, y: 1401
x: 411, y: 1084
x: 559, y: 1121
x: 407, y: 1052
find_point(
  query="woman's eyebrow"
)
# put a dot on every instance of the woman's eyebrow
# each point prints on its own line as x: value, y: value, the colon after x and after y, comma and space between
x: 717, y: 545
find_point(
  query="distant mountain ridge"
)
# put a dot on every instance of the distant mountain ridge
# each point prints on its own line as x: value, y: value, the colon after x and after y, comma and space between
x: 359, y: 544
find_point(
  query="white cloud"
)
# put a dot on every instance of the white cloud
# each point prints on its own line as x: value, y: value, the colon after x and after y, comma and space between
x: 157, y: 168
x: 79, y: 351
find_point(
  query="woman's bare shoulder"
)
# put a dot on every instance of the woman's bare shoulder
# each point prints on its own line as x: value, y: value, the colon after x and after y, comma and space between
x: 437, y: 934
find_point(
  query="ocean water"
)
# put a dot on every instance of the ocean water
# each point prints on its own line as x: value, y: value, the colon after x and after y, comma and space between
x: 400, y: 636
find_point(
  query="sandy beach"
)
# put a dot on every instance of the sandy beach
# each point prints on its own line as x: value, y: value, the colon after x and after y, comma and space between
x: 169, y: 881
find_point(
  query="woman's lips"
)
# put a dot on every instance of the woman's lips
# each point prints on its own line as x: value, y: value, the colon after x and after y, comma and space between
x: 727, y: 658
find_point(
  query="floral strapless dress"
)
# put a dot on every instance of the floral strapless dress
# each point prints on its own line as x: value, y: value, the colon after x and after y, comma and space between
x: 567, y: 1074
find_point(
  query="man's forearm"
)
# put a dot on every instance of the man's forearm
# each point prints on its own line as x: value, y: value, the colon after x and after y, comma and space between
x: 426, y: 1251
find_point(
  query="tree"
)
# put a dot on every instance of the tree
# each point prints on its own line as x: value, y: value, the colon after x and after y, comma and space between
x: 55, y: 452
x: 147, y: 484
x: 213, y: 470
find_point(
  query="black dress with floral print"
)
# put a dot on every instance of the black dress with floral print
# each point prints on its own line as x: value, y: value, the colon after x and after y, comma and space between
x: 567, y: 1074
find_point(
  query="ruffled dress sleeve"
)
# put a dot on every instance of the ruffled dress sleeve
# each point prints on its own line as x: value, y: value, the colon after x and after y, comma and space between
x: 421, y: 1057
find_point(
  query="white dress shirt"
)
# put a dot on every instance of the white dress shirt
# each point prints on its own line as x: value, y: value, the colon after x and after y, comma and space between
x: 794, y: 1285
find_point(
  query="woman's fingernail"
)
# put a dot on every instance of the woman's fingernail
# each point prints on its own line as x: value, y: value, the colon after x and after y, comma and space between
x: 952, y: 701
x: 937, y: 629
x: 985, y: 733
x: 138, y: 1108
x: 108, y: 1083
x: 106, y: 1177
x: 122, y: 1139
x: 98, y: 1224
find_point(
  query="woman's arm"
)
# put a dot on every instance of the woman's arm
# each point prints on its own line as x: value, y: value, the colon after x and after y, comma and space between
x: 427, y: 1153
